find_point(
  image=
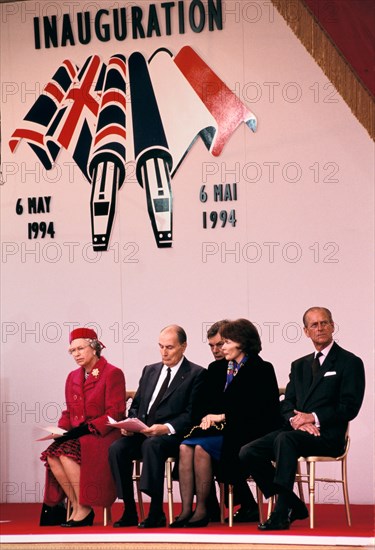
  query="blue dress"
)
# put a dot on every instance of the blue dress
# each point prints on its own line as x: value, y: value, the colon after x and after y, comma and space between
x: 212, y: 444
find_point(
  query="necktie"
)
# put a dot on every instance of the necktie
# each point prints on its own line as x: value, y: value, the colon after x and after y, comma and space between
x: 316, y: 365
x: 158, y: 398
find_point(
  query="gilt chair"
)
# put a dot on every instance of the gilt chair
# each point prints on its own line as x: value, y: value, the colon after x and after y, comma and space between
x: 168, y: 474
x: 310, y: 478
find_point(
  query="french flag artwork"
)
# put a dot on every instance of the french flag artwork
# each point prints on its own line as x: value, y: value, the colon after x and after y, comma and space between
x: 174, y: 101
x: 178, y: 101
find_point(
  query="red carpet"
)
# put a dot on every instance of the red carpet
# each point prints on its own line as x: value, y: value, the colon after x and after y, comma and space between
x: 330, y: 521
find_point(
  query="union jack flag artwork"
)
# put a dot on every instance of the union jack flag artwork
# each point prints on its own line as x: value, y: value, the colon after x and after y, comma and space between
x: 85, y: 112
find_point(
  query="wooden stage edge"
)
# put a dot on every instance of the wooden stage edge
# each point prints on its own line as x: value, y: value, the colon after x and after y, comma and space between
x: 170, y: 546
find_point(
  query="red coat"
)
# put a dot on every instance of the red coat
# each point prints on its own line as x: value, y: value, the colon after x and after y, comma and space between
x: 90, y: 401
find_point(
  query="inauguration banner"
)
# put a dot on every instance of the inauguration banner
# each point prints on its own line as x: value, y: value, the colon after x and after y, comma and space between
x: 170, y: 162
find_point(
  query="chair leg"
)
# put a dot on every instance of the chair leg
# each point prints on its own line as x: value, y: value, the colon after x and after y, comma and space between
x: 311, y: 474
x: 271, y: 501
x: 260, y: 503
x: 168, y: 472
x: 222, y: 502
x: 136, y: 476
x: 300, y: 483
x: 107, y: 515
x: 345, y: 491
x: 68, y: 508
x: 230, y: 504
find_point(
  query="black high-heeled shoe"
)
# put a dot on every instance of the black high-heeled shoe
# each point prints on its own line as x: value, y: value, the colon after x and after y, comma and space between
x: 180, y: 522
x: 87, y: 521
x: 199, y: 523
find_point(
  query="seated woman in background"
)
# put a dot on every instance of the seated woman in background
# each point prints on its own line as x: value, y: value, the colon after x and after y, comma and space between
x: 77, y: 462
x: 242, y: 398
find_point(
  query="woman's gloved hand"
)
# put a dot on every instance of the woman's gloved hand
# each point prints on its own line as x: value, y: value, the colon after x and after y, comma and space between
x: 74, y: 433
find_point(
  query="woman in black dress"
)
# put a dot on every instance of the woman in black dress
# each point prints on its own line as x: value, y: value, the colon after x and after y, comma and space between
x: 241, y: 403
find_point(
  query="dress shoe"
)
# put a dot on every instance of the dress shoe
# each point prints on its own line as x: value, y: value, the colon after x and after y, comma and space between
x: 66, y: 523
x: 127, y: 520
x: 153, y: 521
x: 245, y: 515
x: 214, y: 512
x: 300, y: 512
x: 199, y: 523
x: 177, y: 523
x: 276, y: 522
x: 87, y: 521
x: 215, y: 516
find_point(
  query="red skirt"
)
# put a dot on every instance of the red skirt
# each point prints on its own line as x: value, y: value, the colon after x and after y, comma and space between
x: 70, y: 448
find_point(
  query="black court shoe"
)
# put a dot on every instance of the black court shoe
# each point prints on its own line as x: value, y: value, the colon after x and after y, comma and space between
x: 85, y: 522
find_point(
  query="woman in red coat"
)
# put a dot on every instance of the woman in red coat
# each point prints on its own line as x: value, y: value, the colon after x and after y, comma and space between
x: 77, y: 462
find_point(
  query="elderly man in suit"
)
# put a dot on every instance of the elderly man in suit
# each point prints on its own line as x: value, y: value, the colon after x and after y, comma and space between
x: 164, y: 401
x: 325, y: 391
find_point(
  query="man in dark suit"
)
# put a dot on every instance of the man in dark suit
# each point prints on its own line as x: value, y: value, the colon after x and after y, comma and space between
x: 164, y: 400
x: 325, y: 391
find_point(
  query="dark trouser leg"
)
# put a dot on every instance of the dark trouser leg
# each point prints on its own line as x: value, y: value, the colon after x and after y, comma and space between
x: 155, y: 451
x: 255, y: 460
x: 288, y: 447
x: 121, y: 455
x: 213, y: 506
x: 284, y: 447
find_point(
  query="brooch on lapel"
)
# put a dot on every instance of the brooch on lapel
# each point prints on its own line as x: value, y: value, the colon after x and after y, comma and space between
x: 95, y: 373
x: 231, y: 370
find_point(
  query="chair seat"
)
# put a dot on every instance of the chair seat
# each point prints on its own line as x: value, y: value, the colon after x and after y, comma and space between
x: 320, y: 458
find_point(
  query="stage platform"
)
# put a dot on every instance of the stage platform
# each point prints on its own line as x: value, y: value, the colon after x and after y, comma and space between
x: 20, y: 530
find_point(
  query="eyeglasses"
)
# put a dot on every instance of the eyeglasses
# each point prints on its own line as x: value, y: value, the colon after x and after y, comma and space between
x: 322, y: 324
x: 72, y: 351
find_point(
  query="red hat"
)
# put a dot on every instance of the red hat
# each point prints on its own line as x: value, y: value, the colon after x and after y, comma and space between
x: 84, y: 333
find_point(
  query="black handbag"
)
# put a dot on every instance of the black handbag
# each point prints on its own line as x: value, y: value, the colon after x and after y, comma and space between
x: 52, y: 515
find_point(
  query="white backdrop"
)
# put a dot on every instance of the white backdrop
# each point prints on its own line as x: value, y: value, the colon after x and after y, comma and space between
x: 303, y: 237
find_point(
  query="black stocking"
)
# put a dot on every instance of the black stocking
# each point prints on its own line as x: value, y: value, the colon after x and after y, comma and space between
x: 203, y: 481
x: 186, y: 479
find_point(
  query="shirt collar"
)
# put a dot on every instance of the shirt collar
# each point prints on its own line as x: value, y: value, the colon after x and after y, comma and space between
x: 325, y: 351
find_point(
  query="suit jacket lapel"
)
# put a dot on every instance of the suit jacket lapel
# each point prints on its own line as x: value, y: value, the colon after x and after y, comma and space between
x: 327, y: 365
x: 151, y: 382
x: 307, y: 376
